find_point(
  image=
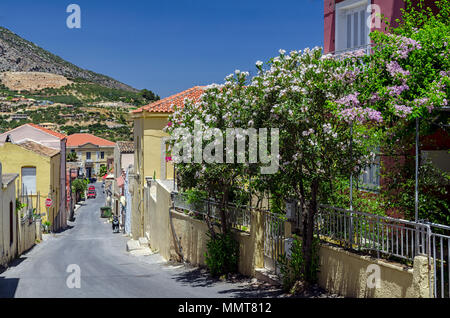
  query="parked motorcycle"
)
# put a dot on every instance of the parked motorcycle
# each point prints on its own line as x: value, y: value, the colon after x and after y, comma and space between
x: 115, y: 224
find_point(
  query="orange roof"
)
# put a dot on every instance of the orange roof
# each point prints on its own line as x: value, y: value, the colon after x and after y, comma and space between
x: 48, y: 131
x: 76, y: 140
x: 166, y: 105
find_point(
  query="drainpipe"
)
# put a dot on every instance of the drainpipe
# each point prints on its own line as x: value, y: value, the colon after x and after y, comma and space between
x: 416, y: 201
x: 351, y: 187
x: 416, y: 196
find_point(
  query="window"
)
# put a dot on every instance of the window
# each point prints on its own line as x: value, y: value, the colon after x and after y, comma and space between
x: 29, y: 179
x: 351, y: 30
x: 88, y: 155
x: 102, y: 155
x: 73, y: 150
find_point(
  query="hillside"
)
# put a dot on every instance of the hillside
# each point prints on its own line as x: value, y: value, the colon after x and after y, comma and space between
x: 39, y: 87
x: 32, y: 81
x: 20, y: 55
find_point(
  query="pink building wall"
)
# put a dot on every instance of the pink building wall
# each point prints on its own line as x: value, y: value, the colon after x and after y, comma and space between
x: 391, y: 9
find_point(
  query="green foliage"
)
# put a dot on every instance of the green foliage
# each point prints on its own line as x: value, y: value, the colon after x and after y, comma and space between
x: 79, y: 186
x: 149, y: 95
x: 293, y: 269
x: 222, y: 256
x: 103, y: 171
x: 71, y: 157
x: 363, y: 201
x: 47, y: 226
x: 434, y: 186
x: 19, y: 205
x: 194, y: 196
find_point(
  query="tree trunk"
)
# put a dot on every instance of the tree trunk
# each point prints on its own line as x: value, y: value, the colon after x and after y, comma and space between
x: 308, y: 230
x: 223, y: 213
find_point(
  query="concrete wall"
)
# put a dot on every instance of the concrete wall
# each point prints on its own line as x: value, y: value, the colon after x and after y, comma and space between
x: 8, y: 249
x: 156, y: 221
x: 348, y: 274
x: 127, y: 159
x: 26, y: 235
x: 168, y: 232
x: 192, y: 236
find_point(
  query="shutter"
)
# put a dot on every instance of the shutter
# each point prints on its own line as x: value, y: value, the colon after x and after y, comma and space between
x: 349, y: 31
x: 355, y: 30
x: 362, y: 27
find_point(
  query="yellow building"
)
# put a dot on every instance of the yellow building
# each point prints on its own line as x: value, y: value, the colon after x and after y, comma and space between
x: 149, y: 122
x: 92, y: 153
x: 38, y: 167
x: 150, y: 148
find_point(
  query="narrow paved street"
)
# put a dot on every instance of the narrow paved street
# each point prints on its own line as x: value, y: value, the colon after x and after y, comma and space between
x: 107, y: 270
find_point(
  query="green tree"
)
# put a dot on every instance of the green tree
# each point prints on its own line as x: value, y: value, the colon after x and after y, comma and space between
x: 72, y: 157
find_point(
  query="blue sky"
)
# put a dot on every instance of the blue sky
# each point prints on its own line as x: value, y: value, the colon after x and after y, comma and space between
x: 171, y: 45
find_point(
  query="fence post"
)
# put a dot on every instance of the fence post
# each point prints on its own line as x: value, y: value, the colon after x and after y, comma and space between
x: 421, y: 277
x: 257, y: 233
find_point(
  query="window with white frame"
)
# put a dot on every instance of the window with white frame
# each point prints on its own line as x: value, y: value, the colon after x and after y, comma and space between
x: 29, y: 179
x: 352, y: 29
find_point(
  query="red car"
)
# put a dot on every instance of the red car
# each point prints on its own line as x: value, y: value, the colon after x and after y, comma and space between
x: 91, y: 193
x: 91, y: 188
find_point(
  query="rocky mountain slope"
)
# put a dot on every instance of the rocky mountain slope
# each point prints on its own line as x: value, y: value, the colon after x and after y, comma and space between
x: 20, y: 55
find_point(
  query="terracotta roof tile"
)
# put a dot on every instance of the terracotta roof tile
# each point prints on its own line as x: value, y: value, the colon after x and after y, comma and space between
x: 165, y: 105
x: 38, y: 148
x: 76, y: 140
x: 125, y: 146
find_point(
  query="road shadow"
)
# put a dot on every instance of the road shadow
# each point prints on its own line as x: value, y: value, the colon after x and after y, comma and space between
x: 8, y: 287
x: 197, y: 277
x: 15, y: 262
x: 254, y: 292
x: 241, y: 286
x: 68, y: 227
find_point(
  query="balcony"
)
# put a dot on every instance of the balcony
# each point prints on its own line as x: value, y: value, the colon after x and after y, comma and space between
x: 358, y: 51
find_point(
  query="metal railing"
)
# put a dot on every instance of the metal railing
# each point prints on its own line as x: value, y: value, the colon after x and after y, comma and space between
x: 373, y: 233
x: 388, y: 236
x: 238, y: 216
x: 440, y: 253
x: 274, y: 239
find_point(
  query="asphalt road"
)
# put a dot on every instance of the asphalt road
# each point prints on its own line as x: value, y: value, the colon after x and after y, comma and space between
x: 106, y: 269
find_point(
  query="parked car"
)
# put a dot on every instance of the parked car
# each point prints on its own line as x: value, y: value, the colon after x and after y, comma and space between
x: 91, y: 188
x: 92, y: 194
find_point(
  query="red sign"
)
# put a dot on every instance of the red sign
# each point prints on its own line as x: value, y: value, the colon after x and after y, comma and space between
x: 48, y: 202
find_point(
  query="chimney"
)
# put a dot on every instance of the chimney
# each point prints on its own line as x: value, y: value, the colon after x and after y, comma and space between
x: 9, y: 139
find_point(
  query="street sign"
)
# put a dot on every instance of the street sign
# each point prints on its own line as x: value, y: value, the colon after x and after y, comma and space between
x: 48, y: 202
